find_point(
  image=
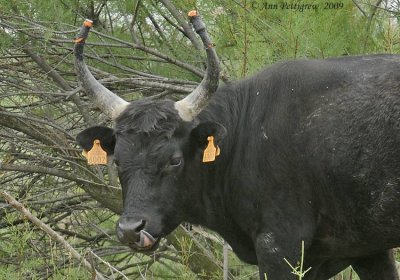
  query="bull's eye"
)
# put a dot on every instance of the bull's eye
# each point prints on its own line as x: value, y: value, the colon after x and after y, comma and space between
x: 175, y: 161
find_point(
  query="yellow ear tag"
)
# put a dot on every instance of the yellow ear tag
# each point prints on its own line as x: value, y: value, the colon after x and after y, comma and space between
x: 96, y: 155
x: 212, y: 151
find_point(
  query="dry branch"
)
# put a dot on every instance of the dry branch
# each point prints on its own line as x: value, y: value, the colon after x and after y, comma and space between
x: 183, y: 22
x: 52, y: 234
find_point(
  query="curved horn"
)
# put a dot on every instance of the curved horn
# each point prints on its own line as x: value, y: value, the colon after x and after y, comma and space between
x: 191, y: 105
x: 110, y: 103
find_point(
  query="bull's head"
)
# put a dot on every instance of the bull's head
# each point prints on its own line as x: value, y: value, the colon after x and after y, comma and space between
x: 153, y: 143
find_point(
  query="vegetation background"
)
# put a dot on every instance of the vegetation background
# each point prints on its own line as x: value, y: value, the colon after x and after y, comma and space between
x: 139, y: 48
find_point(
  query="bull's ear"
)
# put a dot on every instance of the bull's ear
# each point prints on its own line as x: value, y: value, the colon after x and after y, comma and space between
x: 201, y: 132
x: 106, y: 136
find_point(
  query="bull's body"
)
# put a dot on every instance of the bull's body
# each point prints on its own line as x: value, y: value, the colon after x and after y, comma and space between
x: 310, y: 151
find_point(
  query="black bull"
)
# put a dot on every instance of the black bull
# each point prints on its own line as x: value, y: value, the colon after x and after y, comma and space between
x: 310, y: 151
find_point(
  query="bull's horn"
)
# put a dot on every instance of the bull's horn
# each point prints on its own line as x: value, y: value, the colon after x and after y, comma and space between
x: 110, y: 103
x: 191, y: 105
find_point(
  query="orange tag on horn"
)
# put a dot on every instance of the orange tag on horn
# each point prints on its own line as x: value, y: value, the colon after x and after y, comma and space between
x: 78, y: 40
x: 192, y: 13
x: 88, y: 23
x: 96, y: 155
x: 212, y: 151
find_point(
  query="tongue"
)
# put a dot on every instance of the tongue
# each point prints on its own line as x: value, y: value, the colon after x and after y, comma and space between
x: 146, y: 240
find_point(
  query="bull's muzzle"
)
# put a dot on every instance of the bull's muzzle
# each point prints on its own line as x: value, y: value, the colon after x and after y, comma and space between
x: 133, y: 234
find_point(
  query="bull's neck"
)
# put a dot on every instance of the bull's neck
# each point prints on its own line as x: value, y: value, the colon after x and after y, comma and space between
x: 207, y: 181
x: 211, y: 187
x: 210, y: 201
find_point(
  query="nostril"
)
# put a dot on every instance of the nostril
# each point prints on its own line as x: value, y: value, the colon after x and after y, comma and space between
x: 128, y: 230
x: 139, y: 226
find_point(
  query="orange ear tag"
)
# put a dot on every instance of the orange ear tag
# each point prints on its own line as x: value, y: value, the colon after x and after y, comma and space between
x: 96, y: 155
x: 212, y: 151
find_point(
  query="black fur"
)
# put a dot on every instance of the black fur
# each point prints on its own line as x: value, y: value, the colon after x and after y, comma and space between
x: 311, y: 153
x: 148, y: 117
x: 86, y: 138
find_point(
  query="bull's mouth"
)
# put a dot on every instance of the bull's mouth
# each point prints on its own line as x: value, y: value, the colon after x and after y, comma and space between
x: 146, y: 242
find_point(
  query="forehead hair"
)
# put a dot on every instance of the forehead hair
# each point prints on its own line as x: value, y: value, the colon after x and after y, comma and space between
x: 149, y: 118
